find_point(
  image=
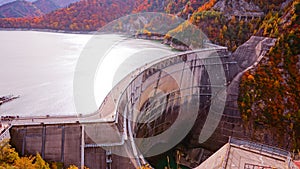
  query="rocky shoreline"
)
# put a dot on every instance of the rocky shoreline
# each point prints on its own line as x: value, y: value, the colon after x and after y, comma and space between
x: 167, y: 41
x: 8, y: 98
x: 49, y: 30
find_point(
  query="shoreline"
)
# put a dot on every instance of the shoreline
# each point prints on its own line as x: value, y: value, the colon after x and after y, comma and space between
x: 49, y: 30
x: 154, y: 37
x: 164, y: 41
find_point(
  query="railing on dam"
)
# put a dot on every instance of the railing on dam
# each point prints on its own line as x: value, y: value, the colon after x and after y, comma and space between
x: 262, y: 148
x: 5, y: 134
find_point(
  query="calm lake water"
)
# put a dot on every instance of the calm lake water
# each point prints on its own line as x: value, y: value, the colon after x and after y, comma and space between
x: 39, y: 66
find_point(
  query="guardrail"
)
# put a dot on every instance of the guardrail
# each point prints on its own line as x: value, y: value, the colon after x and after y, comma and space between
x: 254, y: 166
x: 260, y: 147
x: 5, y: 134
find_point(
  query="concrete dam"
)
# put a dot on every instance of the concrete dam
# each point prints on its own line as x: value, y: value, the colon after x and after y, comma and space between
x: 184, y: 103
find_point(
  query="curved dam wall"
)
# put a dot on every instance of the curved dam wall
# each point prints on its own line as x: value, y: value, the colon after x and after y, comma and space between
x: 161, y: 97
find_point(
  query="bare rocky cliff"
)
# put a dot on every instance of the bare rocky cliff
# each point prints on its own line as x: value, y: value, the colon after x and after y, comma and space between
x: 238, y: 8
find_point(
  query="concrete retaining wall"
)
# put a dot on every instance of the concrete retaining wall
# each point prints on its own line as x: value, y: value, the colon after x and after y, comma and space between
x: 60, y: 143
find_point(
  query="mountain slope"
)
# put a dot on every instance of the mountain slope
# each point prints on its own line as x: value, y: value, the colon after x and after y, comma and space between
x: 238, y: 8
x: 60, y: 3
x: 88, y: 15
x: 5, y: 2
x: 2, y: 2
x: 46, y: 6
x: 64, y: 3
x: 181, y: 8
x: 19, y: 9
x: 22, y: 8
x: 269, y: 94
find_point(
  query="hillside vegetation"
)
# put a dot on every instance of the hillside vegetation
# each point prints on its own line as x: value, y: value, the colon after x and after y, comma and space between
x: 87, y: 15
x: 270, y: 93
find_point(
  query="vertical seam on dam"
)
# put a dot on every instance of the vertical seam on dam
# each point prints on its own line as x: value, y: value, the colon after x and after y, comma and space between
x: 24, y: 142
x: 43, y: 140
x: 62, y: 144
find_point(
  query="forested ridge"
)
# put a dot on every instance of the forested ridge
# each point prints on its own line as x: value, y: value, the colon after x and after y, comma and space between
x: 270, y: 93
